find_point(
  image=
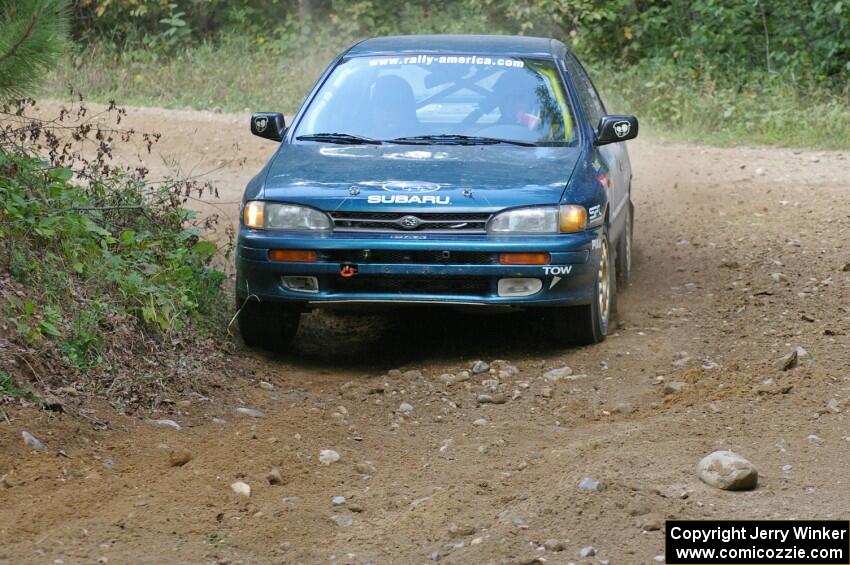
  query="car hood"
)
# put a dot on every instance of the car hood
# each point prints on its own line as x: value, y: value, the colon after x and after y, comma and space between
x: 444, y: 178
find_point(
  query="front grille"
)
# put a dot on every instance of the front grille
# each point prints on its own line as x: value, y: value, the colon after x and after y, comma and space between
x: 400, y: 221
x: 470, y: 286
x: 425, y: 257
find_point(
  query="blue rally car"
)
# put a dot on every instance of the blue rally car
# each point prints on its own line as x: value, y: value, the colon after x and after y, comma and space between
x: 441, y: 170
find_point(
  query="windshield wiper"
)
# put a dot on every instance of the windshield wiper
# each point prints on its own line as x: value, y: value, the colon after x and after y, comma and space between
x: 457, y: 139
x: 343, y: 138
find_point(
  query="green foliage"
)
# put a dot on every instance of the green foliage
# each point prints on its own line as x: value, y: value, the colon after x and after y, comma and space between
x: 10, y: 389
x: 32, y: 38
x: 764, y: 110
x: 801, y: 41
x: 90, y: 253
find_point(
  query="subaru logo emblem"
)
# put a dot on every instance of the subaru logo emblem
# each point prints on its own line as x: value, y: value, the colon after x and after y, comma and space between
x: 409, y: 222
x: 409, y: 187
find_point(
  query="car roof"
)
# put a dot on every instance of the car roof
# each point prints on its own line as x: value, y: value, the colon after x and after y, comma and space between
x: 516, y: 45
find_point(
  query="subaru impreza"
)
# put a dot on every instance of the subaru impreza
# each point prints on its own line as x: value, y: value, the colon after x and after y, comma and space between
x: 441, y: 170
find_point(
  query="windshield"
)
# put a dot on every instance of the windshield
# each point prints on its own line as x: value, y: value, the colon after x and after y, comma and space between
x: 441, y: 98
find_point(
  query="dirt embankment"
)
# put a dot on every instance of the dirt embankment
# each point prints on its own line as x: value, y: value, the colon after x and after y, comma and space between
x: 741, y: 256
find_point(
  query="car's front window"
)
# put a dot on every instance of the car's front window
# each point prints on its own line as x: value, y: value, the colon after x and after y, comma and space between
x: 442, y: 98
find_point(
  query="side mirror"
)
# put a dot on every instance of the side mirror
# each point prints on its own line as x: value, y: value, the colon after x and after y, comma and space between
x: 268, y: 125
x: 616, y: 128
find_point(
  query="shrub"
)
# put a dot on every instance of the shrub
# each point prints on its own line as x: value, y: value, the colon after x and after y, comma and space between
x: 91, y: 253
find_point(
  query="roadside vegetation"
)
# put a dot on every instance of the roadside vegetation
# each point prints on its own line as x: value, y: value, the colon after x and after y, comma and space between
x: 746, y: 71
x: 105, y: 280
x: 106, y: 283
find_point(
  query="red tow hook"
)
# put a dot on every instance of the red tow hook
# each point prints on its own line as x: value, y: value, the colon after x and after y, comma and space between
x: 347, y: 271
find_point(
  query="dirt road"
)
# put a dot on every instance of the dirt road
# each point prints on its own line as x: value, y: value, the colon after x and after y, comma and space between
x: 741, y: 256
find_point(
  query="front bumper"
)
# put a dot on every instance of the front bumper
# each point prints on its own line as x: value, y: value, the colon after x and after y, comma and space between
x: 567, y: 280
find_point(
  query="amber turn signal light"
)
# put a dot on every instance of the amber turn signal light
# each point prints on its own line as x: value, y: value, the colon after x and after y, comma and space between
x: 524, y: 258
x: 573, y: 218
x: 293, y: 255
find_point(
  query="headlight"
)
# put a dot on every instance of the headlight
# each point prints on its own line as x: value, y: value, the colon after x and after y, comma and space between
x: 267, y: 215
x: 544, y: 219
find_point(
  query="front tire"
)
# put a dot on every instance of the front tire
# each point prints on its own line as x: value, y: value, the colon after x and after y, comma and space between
x: 269, y: 325
x: 588, y: 324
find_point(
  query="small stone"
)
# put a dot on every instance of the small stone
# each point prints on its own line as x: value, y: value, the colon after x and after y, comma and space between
x: 555, y: 375
x: 274, y: 477
x: 587, y: 551
x: 343, y: 520
x: 728, y: 471
x: 546, y: 392
x: 412, y: 374
x: 251, y: 412
x: 266, y: 385
x: 338, y: 500
x: 778, y: 277
x: 787, y: 468
x: 846, y: 267
x: 624, y: 408
x: 673, y: 387
x: 461, y: 529
x: 813, y: 438
x: 447, y: 378
x: 179, y: 457
x: 479, y: 422
x: 491, y: 399
x: 787, y: 361
x: 590, y: 484
x: 365, y: 468
x: 554, y: 545
x: 461, y: 377
x: 807, y: 318
x: 166, y: 424
x: 639, y: 508
x: 242, y: 488
x: 833, y: 406
x: 354, y: 507
x: 33, y: 441
x: 405, y: 408
x: 328, y: 456
x: 479, y: 367
x: 652, y: 523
